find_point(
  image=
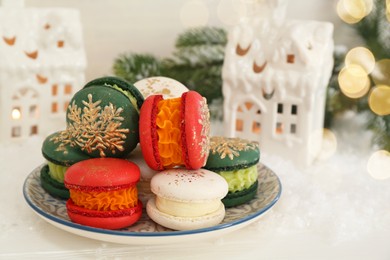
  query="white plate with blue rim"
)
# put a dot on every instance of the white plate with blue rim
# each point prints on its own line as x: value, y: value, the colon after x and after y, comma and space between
x: 145, y: 231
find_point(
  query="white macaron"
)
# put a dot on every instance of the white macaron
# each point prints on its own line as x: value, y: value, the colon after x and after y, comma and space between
x: 144, y: 192
x: 187, y: 199
x: 167, y: 87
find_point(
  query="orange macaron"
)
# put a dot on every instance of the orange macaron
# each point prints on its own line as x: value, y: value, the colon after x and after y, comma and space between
x: 175, y: 132
x: 103, y: 193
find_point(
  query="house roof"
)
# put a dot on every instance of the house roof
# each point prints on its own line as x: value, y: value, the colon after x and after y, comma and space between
x: 40, y: 38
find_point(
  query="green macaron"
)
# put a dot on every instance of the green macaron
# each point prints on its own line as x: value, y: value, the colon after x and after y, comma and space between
x: 102, y: 118
x: 60, y: 155
x: 236, y: 160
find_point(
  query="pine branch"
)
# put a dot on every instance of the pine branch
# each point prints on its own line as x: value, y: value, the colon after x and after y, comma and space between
x: 134, y: 67
x: 202, y: 36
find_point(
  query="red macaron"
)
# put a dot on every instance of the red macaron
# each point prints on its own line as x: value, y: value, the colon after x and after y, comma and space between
x: 103, y: 193
x: 175, y: 132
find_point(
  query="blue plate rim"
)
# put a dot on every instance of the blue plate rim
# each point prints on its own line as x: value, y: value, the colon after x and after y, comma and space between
x: 147, y: 234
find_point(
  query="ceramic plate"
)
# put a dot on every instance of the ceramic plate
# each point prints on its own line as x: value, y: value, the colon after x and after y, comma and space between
x: 145, y: 231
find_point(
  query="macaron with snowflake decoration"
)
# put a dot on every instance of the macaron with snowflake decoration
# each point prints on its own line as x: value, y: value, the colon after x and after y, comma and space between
x: 235, y: 159
x: 103, y: 193
x: 175, y: 132
x: 60, y: 155
x: 102, y: 118
x: 167, y: 87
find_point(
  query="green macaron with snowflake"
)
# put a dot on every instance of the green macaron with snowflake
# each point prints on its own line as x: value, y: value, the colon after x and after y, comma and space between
x: 236, y: 160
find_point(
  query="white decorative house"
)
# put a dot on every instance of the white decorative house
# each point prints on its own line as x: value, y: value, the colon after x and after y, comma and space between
x: 42, y: 64
x: 275, y: 76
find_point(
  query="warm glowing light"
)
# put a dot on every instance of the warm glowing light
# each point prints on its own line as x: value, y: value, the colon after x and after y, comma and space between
x: 352, y: 11
x: 388, y: 10
x: 194, y: 14
x: 378, y: 165
x: 361, y: 56
x: 379, y: 100
x: 16, y: 114
x: 381, y: 72
x: 344, y: 15
x: 354, y: 81
x: 329, y: 145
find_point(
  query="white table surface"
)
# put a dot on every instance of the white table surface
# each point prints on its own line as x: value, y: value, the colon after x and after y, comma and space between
x: 279, y: 234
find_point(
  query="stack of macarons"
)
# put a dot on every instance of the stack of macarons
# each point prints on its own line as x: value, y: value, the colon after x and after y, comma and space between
x: 183, y: 178
x: 235, y: 159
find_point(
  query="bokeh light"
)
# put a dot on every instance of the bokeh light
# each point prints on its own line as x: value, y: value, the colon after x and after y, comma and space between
x: 379, y: 100
x: 361, y: 56
x: 378, y: 165
x: 388, y: 10
x: 353, y: 81
x: 381, y: 72
x: 194, y: 14
x: 329, y: 145
x: 352, y: 11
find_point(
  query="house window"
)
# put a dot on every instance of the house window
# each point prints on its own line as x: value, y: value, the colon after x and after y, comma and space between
x: 248, y: 120
x: 16, y: 131
x: 279, y: 128
x: 54, y: 107
x: 16, y: 113
x: 239, y: 125
x: 280, y: 108
x: 54, y: 90
x: 33, y: 111
x: 290, y: 58
x: 68, y: 89
x: 60, y: 44
x: 34, y: 130
x: 293, y: 128
x: 294, y: 110
x: 256, y: 127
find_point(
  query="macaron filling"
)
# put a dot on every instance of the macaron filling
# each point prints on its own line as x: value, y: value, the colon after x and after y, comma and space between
x: 186, y: 208
x: 240, y: 179
x: 128, y: 94
x: 56, y: 171
x: 105, y: 200
x: 168, y: 128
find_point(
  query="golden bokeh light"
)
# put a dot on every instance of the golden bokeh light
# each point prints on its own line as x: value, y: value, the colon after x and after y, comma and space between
x: 379, y: 100
x: 329, y: 145
x: 381, y: 73
x: 361, y: 56
x: 357, y: 8
x: 353, y: 81
x: 344, y: 15
x: 378, y: 165
x: 352, y: 11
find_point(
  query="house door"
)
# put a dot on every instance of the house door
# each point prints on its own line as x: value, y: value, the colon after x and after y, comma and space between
x: 24, y: 113
x: 248, y: 121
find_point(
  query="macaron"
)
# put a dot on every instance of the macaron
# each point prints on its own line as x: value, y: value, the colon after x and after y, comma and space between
x: 235, y: 159
x: 60, y: 156
x: 175, y: 132
x: 187, y: 199
x: 165, y: 86
x: 102, y: 118
x: 144, y: 192
x: 103, y: 193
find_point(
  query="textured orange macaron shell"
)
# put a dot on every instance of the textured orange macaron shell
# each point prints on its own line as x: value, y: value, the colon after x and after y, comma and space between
x: 175, y: 132
x: 103, y: 193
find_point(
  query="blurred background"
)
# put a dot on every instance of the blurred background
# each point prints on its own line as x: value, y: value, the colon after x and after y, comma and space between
x: 114, y: 27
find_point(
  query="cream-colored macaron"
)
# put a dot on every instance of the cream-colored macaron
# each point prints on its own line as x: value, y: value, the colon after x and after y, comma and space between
x: 144, y: 192
x: 187, y: 199
x: 167, y: 87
